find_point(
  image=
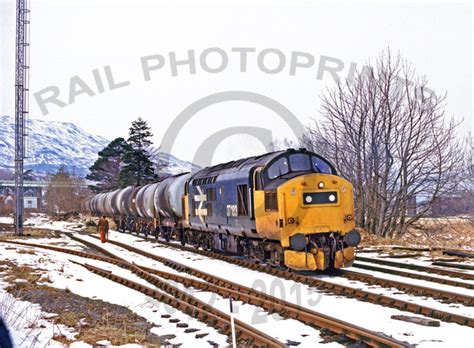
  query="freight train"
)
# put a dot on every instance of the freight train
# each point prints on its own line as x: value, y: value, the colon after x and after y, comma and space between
x: 288, y: 208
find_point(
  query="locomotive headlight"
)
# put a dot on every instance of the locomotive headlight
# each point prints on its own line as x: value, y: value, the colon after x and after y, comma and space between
x: 352, y: 238
x: 298, y: 242
x: 321, y: 185
x: 332, y: 198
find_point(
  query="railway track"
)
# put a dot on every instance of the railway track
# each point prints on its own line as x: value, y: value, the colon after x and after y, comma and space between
x: 435, y: 270
x: 445, y: 251
x: 410, y: 288
x: 411, y: 275
x: 453, y: 265
x: 247, y: 335
x: 224, y: 288
x: 248, y: 295
x: 334, y: 288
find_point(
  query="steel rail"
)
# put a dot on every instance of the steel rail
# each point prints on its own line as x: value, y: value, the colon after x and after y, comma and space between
x: 270, y: 303
x: 419, y: 290
x: 415, y: 275
x: 247, y: 335
x: 453, y: 265
x: 441, y: 271
x: 334, y: 288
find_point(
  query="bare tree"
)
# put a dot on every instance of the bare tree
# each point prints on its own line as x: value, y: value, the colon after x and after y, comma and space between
x: 386, y: 132
x: 283, y: 144
x: 65, y: 192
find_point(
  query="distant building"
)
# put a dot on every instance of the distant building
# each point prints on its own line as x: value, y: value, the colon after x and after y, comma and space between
x: 33, y: 196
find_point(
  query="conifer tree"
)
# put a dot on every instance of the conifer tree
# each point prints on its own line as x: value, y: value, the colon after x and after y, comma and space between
x: 106, y: 169
x: 138, y: 167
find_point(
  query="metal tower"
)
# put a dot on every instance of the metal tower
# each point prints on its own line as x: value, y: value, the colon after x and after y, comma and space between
x: 21, y: 104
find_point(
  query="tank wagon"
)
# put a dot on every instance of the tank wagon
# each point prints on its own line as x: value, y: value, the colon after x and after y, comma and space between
x: 287, y: 208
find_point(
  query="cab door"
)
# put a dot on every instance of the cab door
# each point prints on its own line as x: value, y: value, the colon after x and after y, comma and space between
x: 265, y: 208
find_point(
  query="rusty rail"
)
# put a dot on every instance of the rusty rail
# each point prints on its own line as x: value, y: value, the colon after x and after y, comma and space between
x: 410, y: 288
x: 270, y: 303
x: 336, y: 289
x: 247, y: 335
x: 440, y: 271
x: 415, y: 275
x: 453, y: 265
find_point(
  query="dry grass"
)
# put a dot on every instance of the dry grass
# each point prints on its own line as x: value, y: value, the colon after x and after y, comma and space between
x: 94, y: 320
x: 452, y: 233
x: 29, y: 232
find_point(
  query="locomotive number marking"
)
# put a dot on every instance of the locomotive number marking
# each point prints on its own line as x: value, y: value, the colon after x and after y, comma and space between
x: 231, y: 210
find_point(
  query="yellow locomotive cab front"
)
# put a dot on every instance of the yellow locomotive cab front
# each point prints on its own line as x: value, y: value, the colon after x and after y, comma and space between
x: 314, y: 220
x: 318, y: 213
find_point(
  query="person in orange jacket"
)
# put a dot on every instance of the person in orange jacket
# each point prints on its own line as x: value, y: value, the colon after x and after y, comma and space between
x: 103, y: 229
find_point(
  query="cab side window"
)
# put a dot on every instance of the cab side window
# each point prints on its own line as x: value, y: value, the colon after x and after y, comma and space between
x: 242, y: 200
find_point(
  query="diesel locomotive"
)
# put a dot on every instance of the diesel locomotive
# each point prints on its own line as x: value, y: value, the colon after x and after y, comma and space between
x: 286, y: 208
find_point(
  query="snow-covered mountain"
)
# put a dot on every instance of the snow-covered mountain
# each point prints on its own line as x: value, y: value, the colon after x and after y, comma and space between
x: 52, y: 144
x: 172, y: 165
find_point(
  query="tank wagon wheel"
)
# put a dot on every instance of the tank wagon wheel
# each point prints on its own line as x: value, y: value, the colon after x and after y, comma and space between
x: 150, y: 229
x: 161, y: 232
x: 168, y: 233
x: 121, y: 225
x: 164, y: 232
x: 173, y: 233
x: 130, y: 225
x: 182, y: 236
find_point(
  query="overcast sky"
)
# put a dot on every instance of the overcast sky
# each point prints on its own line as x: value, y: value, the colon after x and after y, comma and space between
x: 69, y: 39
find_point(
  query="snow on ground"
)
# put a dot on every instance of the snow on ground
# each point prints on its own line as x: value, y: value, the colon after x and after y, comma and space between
x: 374, y: 317
x: 28, y: 324
x: 273, y: 325
x: 364, y: 314
x: 63, y: 274
x: 6, y: 220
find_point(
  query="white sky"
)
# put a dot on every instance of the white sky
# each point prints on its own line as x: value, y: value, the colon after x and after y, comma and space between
x: 73, y: 37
